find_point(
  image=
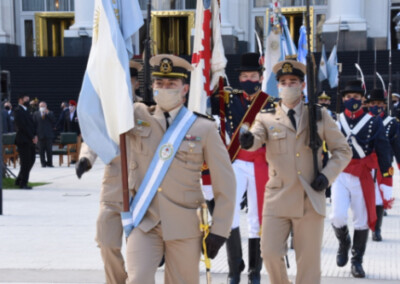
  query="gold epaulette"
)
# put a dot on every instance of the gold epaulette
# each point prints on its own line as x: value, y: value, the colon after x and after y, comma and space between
x: 204, y: 116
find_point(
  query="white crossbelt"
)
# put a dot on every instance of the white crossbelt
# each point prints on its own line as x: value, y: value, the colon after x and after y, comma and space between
x: 353, y: 132
x: 387, y: 120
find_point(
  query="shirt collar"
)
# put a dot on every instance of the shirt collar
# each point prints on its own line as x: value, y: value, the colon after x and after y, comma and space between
x: 24, y: 107
x: 173, y: 113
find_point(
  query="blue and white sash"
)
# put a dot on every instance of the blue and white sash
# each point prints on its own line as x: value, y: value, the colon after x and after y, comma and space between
x: 159, y: 166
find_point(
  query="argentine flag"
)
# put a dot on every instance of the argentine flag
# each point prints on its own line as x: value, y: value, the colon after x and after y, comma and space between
x: 279, y: 45
x: 332, y: 66
x: 105, y: 105
x: 302, y: 54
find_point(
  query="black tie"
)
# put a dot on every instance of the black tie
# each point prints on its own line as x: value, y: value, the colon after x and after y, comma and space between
x: 166, y: 114
x: 290, y: 114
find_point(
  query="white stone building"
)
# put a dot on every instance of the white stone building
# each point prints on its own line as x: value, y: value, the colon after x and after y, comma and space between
x: 63, y: 27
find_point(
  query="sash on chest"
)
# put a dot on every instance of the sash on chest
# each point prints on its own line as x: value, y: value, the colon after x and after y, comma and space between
x: 157, y: 170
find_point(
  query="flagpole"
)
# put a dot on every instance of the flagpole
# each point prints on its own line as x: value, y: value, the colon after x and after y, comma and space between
x: 148, y: 96
x: 124, y: 171
x: 375, y: 65
x: 338, y: 97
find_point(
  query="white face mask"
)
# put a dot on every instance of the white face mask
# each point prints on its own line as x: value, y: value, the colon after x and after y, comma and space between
x: 42, y: 109
x: 168, y: 99
x: 290, y: 95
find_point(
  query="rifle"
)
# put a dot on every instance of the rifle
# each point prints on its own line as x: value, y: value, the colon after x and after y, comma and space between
x: 315, y: 140
x: 389, y: 91
x: 338, y: 95
x: 148, y: 95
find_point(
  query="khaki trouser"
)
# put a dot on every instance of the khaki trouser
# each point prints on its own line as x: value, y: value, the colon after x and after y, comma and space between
x: 109, y: 239
x: 144, y: 253
x: 307, y: 241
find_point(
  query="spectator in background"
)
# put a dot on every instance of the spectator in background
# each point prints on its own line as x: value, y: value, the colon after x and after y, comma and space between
x: 72, y: 125
x: 25, y: 140
x: 44, y: 123
x: 61, y: 119
x: 10, y: 113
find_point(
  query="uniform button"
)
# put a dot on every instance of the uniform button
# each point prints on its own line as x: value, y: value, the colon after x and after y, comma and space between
x: 299, y: 172
x: 298, y: 155
x: 297, y: 136
x: 159, y: 189
x: 230, y: 117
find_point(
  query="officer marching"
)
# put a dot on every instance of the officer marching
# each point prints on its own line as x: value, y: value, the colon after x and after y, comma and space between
x: 109, y: 229
x: 294, y: 197
x: 377, y: 106
x: 250, y: 168
x: 354, y: 187
x: 166, y: 151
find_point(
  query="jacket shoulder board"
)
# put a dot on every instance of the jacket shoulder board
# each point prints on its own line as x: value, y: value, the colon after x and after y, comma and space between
x: 209, y: 117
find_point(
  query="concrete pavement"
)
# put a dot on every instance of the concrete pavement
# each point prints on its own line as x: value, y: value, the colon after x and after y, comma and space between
x: 47, y: 236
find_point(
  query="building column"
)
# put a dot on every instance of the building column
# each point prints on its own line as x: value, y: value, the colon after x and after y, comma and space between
x: 347, y: 18
x: 3, y: 35
x: 229, y: 36
x: 77, y: 39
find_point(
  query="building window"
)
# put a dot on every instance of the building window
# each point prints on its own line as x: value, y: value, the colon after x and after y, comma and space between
x: 190, y: 4
x: 32, y: 5
x: 57, y: 5
x: 29, y: 45
x: 288, y: 3
x: 159, y: 5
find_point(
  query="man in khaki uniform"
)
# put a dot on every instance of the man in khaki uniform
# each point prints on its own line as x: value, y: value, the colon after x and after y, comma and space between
x: 170, y: 225
x: 109, y: 225
x: 294, y: 197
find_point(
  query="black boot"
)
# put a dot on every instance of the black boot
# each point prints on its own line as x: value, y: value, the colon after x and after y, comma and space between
x: 359, y: 244
x: 210, y: 205
x: 255, y: 261
x: 234, y: 254
x: 342, y: 234
x: 376, y: 236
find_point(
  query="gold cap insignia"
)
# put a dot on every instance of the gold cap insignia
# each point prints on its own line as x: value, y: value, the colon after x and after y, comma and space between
x: 287, y: 68
x: 166, y: 65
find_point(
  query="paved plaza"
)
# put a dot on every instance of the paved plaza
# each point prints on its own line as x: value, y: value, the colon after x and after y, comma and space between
x: 47, y: 236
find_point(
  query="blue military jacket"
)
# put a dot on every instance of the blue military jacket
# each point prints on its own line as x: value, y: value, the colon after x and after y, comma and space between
x: 370, y: 138
x: 236, y: 106
x: 392, y: 131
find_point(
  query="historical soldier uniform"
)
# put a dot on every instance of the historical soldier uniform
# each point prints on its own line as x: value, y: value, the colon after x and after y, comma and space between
x: 109, y: 225
x: 383, y: 195
x: 294, y: 195
x: 134, y: 69
x: 164, y: 178
x: 355, y: 186
x: 241, y: 108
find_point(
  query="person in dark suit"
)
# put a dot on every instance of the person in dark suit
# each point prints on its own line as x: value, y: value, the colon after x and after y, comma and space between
x: 44, y: 123
x: 5, y: 121
x: 61, y: 119
x: 72, y: 125
x: 25, y: 140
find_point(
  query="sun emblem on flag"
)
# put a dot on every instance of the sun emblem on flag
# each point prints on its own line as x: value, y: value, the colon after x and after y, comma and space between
x: 166, y: 152
x: 96, y: 20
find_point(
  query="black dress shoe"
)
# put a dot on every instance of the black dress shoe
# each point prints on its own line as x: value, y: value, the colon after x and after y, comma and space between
x: 25, y: 187
x: 43, y: 166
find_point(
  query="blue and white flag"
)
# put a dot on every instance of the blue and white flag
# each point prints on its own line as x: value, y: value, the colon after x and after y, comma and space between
x: 302, y: 47
x: 323, y: 69
x: 105, y: 106
x: 332, y: 66
x: 279, y: 45
x: 302, y: 54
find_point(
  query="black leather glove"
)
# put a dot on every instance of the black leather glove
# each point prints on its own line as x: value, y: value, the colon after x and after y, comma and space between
x: 246, y: 140
x: 82, y: 166
x: 320, y: 183
x: 213, y: 244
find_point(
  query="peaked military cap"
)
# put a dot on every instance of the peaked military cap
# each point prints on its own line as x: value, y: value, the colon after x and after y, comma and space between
x: 375, y: 95
x: 170, y: 66
x: 323, y: 96
x: 395, y: 95
x: 354, y: 86
x: 289, y: 67
x: 134, y: 68
x: 250, y: 62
